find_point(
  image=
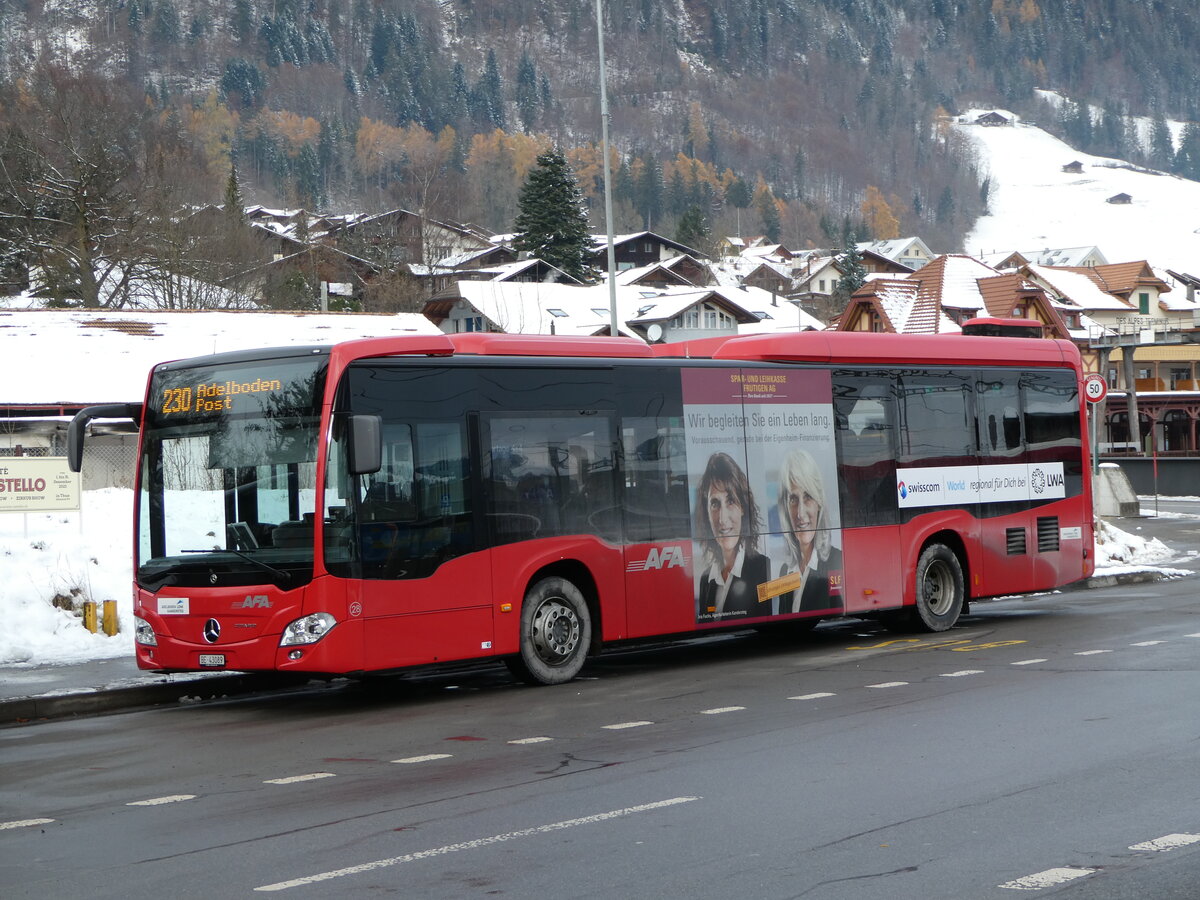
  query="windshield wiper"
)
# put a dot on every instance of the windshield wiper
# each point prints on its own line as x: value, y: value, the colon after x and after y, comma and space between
x: 278, y: 573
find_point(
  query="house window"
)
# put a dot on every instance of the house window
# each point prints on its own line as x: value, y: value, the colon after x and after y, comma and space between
x: 1144, y: 303
x: 821, y: 285
x: 557, y: 313
x: 833, y: 283
x: 1178, y: 375
x: 692, y: 318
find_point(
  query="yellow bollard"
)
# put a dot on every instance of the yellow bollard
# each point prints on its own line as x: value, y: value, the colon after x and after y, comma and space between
x: 109, y: 623
x: 89, y: 615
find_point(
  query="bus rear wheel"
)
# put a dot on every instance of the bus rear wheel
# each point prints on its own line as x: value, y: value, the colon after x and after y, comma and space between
x: 941, y: 593
x: 556, y: 631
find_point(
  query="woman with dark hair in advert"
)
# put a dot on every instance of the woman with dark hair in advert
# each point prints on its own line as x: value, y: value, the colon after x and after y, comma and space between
x: 811, y: 554
x: 726, y: 525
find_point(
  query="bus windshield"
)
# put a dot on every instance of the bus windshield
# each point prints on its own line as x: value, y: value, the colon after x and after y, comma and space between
x: 227, y: 488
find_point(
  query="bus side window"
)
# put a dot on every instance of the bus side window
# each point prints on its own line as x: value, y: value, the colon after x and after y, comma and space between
x: 865, y: 423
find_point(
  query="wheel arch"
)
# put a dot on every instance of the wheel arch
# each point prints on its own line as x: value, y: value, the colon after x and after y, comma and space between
x: 954, y: 541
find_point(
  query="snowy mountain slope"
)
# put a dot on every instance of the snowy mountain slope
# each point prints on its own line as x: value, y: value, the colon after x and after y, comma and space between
x: 1034, y: 204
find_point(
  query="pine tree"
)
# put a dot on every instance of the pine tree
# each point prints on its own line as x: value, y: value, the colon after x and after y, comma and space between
x: 527, y: 93
x: 552, y: 225
x: 693, y: 232
x: 234, y: 205
x: 854, y: 273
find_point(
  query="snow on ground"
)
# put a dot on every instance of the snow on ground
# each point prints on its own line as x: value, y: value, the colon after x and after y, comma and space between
x: 89, y: 552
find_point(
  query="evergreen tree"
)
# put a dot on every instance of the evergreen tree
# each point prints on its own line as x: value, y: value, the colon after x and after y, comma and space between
x: 1162, y: 147
x: 693, y: 232
x: 650, y: 192
x: 552, y: 225
x: 854, y: 273
x: 527, y: 93
x: 235, y: 207
x: 1187, y: 158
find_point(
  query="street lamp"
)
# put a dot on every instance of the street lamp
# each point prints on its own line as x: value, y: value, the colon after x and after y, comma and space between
x: 608, y: 210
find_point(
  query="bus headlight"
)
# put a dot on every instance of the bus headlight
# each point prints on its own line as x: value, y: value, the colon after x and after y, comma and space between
x: 143, y: 634
x: 307, y: 630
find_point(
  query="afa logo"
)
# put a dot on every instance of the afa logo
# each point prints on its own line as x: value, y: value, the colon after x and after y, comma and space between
x: 659, y: 558
x: 903, y: 490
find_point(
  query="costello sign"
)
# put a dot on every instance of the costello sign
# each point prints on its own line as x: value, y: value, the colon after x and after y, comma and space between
x: 37, y: 485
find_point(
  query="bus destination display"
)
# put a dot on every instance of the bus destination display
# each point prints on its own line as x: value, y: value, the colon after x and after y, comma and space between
x: 212, y: 397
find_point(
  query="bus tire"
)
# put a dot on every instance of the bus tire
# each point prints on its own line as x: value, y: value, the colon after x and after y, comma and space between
x: 556, y: 631
x: 941, y: 589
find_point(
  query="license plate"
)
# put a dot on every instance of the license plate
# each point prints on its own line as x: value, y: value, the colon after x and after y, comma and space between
x: 213, y: 660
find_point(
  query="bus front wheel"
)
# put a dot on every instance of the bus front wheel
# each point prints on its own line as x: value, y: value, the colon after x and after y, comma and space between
x: 556, y: 631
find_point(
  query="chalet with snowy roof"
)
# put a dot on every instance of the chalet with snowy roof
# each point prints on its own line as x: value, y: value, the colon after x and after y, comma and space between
x: 676, y: 312
x: 1120, y: 199
x: 639, y: 249
x: 1119, y: 296
x: 1073, y: 168
x: 401, y: 236
x: 993, y: 119
x: 911, y: 252
x: 1049, y: 256
x: 294, y: 281
x: 943, y: 295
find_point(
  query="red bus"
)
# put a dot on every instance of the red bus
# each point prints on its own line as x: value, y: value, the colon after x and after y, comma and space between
x: 388, y: 503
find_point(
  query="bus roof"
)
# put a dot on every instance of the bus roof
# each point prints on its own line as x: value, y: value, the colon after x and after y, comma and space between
x: 860, y: 347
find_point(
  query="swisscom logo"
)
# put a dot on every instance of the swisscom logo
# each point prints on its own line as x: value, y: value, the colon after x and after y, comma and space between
x: 903, y: 491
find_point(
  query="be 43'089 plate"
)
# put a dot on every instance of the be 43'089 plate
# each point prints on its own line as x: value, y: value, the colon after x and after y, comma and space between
x: 212, y: 660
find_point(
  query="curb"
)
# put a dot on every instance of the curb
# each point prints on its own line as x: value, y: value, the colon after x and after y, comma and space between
x: 24, y: 710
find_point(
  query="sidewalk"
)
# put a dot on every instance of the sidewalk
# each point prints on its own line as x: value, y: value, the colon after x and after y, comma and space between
x: 50, y: 692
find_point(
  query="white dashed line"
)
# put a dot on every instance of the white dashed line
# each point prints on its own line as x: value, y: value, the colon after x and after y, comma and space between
x: 428, y: 757
x: 817, y: 696
x: 532, y: 740
x: 159, y: 801
x: 621, y: 725
x: 24, y: 823
x: 1091, y: 652
x: 474, y: 845
x: 1029, y: 662
x: 962, y: 673
x: 716, y: 711
x: 1193, y: 634
x: 1147, y: 643
x: 295, y: 779
x: 1167, y: 842
x: 1049, y: 878
x: 888, y: 684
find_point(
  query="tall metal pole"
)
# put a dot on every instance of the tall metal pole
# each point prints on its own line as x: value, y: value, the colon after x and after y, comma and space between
x: 608, y: 209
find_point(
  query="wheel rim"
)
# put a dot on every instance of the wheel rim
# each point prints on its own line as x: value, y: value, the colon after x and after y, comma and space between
x: 938, y: 588
x: 556, y: 631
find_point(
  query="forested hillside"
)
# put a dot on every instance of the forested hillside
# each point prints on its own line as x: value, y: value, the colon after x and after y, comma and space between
x: 808, y: 120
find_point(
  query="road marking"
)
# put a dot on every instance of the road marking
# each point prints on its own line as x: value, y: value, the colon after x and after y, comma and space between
x: 1029, y: 662
x: 990, y: 645
x: 817, y: 696
x: 294, y: 779
x: 1049, y: 878
x: 621, y: 725
x: 532, y: 740
x: 1091, y: 652
x: 1167, y: 842
x: 720, y: 709
x: 888, y: 684
x: 962, y: 673
x: 24, y: 823
x: 428, y: 757
x: 1147, y: 643
x: 1193, y: 634
x: 159, y: 801
x: 883, y: 644
x: 474, y: 845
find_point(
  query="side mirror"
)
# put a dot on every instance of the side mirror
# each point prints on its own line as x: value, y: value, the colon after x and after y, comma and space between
x: 78, y: 426
x: 364, y: 444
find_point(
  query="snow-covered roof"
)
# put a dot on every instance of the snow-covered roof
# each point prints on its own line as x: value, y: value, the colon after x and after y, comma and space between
x: 1078, y: 288
x: 76, y: 356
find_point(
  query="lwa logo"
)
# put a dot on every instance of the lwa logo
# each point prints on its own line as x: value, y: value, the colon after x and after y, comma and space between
x: 1040, y: 480
x: 659, y: 558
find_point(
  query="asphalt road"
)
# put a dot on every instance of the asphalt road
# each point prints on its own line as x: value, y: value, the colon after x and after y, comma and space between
x: 1049, y: 745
